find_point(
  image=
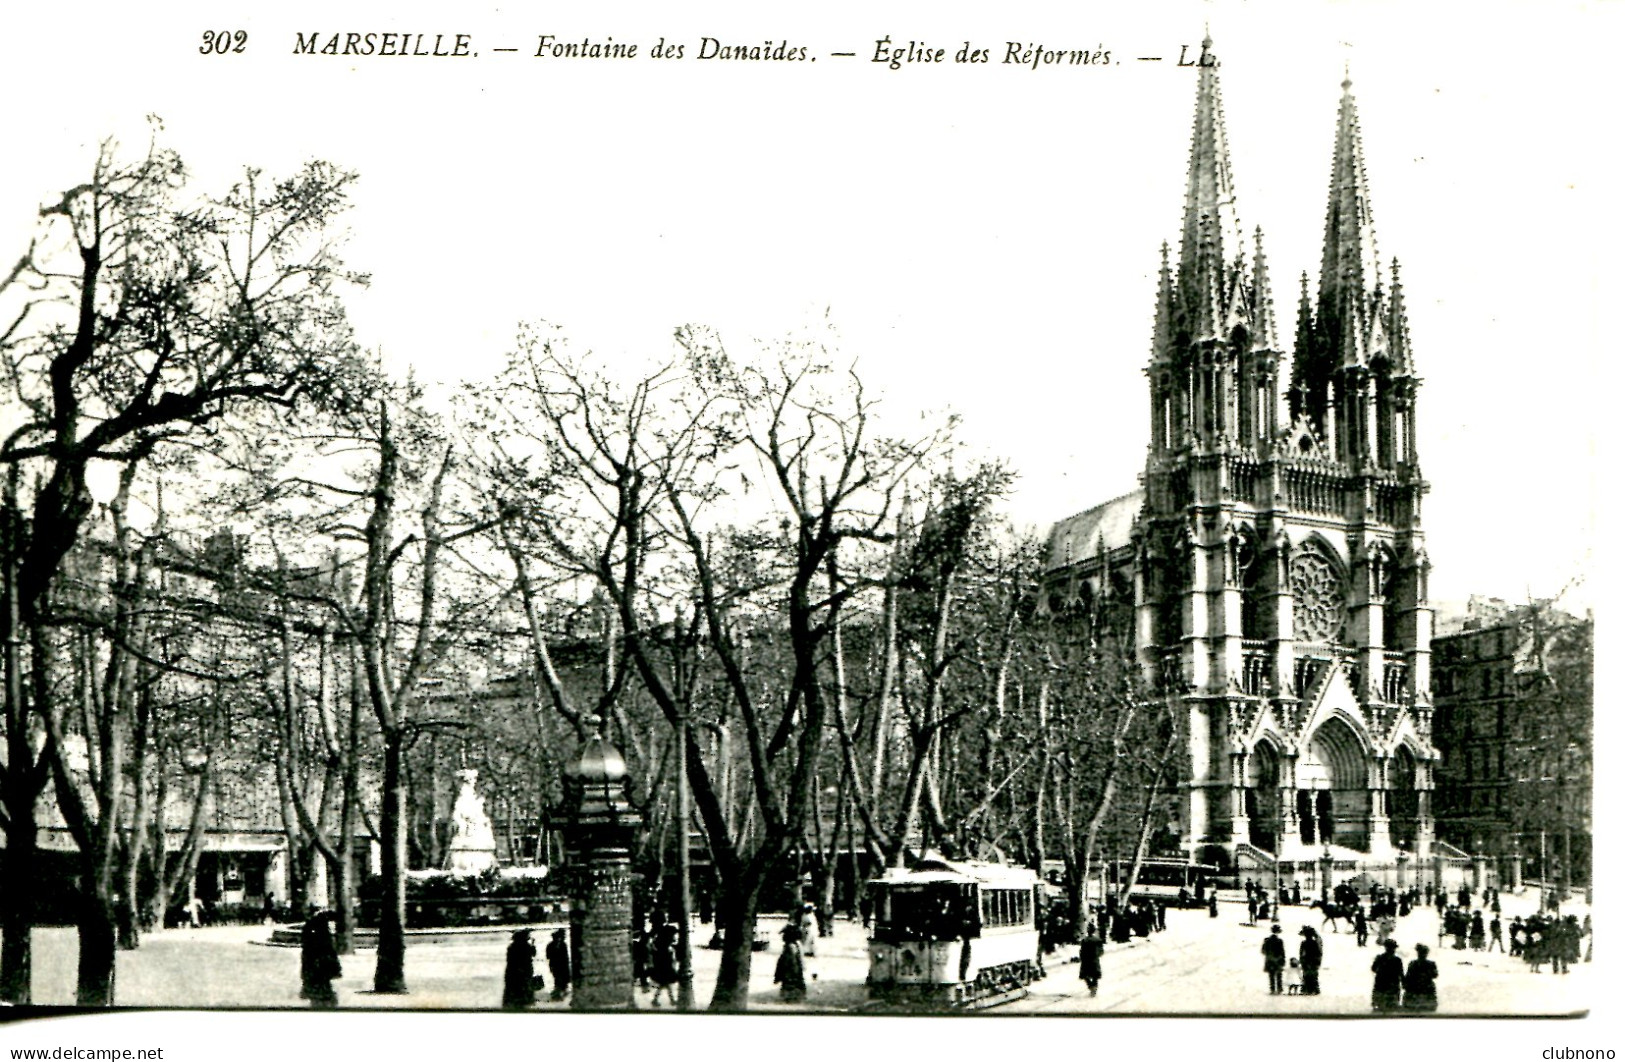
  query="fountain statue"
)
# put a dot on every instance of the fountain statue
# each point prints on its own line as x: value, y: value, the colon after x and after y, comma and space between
x: 473, y: 848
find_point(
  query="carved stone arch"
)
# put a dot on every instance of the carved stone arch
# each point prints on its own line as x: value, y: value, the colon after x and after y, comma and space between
x: 1407, y: 773
x: 1337, y: 768
x: 1268, y: 770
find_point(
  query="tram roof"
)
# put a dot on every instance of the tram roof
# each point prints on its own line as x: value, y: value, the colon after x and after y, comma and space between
x: 937, y: 869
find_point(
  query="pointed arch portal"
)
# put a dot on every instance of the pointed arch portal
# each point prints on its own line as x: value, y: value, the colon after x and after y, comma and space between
x: 1263, y: 797
x: 1404, y: 810
x: 1333, y: 800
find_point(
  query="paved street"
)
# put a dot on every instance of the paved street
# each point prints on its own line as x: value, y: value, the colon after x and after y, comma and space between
x: 1200, y: 965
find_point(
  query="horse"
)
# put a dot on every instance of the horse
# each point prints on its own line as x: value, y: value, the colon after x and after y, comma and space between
x: 1333, y: 912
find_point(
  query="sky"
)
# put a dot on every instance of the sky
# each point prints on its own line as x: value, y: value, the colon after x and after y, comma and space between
x: 983, y: 236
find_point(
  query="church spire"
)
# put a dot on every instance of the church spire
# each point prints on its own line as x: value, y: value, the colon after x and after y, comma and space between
x: 1350, y: 269
x: 1399, y: 326
x: 1212, y: 234
x: 1162, y: 330
x: 1264, y: 337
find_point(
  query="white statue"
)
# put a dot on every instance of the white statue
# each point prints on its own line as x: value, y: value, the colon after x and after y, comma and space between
x: 473, y: 845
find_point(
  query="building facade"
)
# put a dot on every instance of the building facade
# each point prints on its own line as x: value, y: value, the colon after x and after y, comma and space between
x: 1274, y: 554
x: 1513, y: 729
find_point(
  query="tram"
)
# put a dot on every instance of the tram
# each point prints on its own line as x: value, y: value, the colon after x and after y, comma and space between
x: 954, y: 934
x: 1173, y: 881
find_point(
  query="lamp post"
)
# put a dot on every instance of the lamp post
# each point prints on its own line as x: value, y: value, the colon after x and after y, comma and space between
x: 685, y: 955
x: 1326, y: 872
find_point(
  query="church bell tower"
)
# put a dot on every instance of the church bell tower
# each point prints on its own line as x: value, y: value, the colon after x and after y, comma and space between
x: 1279, y: 568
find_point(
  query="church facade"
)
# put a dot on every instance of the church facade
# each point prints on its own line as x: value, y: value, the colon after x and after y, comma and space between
x: 1274, y: 554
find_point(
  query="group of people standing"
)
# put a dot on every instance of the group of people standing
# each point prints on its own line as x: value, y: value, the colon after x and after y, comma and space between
x: 520, y: 981
x: 1397, y: 987
x: 1541, y: 939
x: 654, y: 958
x: 1301, y: 974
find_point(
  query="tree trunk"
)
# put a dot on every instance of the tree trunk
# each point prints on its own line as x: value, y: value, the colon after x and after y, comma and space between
x: 389, y: 977
x: 98, y: 938
x: 17, y: 871
x: 736, y: 921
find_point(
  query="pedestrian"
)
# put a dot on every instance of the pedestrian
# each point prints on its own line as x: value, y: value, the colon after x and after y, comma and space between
x: 1421, y: 977
x: 705, y: 906
x: 1089, y: 953
x: 558, y: 964
x: 1213, y: 904
x: 1387, y: 976
x: 1495, y: 935
x: 866, y: 907
x: 1274, y: 950
x: 1162, y: 916
x: 267, y: 909
x: 519, y: 982
x: 1310, y: 952
x: 663, y: 964
x: 1252, y: 908
x: 1475, y: 932
x: 809, y: 930
x: 1515, y: 937
x: 194, y: 912
x: 1297, y: 894
x: 1585, y: 928
x: 789, y: 974
x: 641, y: 945
x: 319, y: 961
x: 1361, y: 929
x: 1294, y: 978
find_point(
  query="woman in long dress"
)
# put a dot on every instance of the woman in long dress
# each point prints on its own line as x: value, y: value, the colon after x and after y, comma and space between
x: 789, y: 974
x: 319, y: 961
x: 519, y: 975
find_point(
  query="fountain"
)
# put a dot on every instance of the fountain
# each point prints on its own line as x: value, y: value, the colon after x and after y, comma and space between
x: 473, y: 848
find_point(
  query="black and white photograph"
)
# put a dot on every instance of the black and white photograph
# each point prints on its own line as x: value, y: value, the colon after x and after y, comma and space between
x: 860, y: 514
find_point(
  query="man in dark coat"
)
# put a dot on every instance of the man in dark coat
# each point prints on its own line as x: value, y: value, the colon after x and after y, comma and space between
x: 1421, y: 991
x: 1089, y: 960
x: 1361, y: 930
x: 1309, y: 955
x: 1213, y: 904
x: 558, y: 963
x: 1297, y: 894
x: 519, y: 975
x: 1388, y: 971
x: 1274, y: 950
x: 319, y: 961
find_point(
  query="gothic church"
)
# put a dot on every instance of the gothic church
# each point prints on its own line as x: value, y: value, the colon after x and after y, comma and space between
x: 1274, y: 554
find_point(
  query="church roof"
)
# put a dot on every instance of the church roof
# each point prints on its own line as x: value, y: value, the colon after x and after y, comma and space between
x: 1109, y: 526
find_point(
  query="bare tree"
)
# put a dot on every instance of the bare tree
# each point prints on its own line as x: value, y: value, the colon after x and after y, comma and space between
x: 138, y: 321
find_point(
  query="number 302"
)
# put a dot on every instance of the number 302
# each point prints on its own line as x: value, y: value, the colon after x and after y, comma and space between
x: 223, y: 41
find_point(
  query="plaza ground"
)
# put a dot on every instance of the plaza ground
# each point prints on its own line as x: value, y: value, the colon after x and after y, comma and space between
x: 1199, y: 965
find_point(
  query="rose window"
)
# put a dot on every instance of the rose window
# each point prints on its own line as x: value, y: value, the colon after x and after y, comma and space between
x: 1317, y: 598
